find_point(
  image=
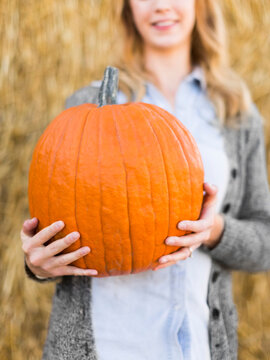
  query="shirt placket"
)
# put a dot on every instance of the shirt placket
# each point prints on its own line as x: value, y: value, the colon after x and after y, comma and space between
x: 177, y: 350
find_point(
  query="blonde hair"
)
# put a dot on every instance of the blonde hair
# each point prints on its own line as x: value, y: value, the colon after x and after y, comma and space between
x: 225, y: 88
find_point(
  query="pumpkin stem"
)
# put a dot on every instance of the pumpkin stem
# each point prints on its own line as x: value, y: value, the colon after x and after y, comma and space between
x: 109, y: 87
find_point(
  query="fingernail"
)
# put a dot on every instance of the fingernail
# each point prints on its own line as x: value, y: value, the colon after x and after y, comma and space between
x: 75, y: 235
x: 28, y: 221
x: 85, y: 250
x: 163, y: 260
x: 169, y: 241
x: 59, y: 223
x: 182, y: 225
x: 92, y: 272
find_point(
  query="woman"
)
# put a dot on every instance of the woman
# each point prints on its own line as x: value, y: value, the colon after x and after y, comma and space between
x: 175, y: 57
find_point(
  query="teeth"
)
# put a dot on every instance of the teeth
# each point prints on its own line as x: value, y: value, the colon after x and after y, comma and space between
x: 164, y: 23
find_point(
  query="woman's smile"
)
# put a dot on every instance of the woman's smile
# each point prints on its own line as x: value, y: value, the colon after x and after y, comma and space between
x: 164, y: 25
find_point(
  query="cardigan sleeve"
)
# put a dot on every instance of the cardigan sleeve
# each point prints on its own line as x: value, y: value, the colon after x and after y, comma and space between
x: 245, y: 242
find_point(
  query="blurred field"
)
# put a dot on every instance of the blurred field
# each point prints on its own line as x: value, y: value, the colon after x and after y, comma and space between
x: 48, y: 49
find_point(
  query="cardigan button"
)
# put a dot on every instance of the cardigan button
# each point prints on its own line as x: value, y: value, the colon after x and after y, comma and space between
x: 234, y: 173
x: 215, y: 313
x: 215, y: 276
x: 226, y: 208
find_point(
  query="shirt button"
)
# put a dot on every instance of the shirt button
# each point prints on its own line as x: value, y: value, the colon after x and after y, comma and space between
x: 215, y: 313
x: 226, y: 208
x: 215, y: 276
x: 234, y: 173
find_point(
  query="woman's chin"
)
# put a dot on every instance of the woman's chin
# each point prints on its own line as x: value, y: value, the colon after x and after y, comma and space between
x: 167, y: 45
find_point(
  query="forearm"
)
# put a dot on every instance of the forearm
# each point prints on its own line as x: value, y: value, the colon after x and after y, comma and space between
x: 245, y: 241
x: 243, y: 245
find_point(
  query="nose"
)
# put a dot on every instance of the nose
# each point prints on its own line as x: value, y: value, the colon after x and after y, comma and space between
x: 162, y: 5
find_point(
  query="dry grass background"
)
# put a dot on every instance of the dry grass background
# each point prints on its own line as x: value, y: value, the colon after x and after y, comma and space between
x: 48, y: 49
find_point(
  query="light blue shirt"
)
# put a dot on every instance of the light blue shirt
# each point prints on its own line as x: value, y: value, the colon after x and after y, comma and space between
x: 164, y: 314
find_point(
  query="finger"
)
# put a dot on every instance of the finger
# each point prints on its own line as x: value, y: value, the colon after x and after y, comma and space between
x: 209, y: 206
x: 208, y: 209
x: 178, y: 255
x: 73, y: 270
x: 47, y: 233
x: 210, y: 189
x: 209, y: 199
x: 66, y: 259
x: 210, y: 196
x: 195, y: 226
x: 162, y: 266
x: 29, y: 226
x: 182, y: 254
x: 186, y: 240
x: 59, y: 245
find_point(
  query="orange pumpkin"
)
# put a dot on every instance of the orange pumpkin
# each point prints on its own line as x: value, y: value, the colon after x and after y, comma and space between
x: 121, y: 175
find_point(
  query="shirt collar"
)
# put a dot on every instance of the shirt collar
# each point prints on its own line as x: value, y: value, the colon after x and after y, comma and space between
x: 197, y: 74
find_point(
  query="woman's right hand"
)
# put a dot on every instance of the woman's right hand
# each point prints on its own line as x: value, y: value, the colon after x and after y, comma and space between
x: 41, y: 259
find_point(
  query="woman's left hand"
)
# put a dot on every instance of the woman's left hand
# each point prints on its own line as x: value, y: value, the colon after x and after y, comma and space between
x: 207, y: 230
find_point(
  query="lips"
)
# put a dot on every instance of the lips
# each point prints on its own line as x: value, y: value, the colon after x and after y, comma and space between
x: 164, y: 22
x: 164, y: 25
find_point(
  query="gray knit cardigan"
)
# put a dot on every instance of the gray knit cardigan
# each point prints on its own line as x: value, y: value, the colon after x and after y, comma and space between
x: 244, y: 245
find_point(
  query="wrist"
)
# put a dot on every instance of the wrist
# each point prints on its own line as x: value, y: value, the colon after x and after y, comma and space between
x: 216, y: 232
x: 30, y: 272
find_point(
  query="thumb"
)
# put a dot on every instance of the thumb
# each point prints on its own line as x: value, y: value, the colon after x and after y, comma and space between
x: 210, y: 189
x: 29, y: 226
